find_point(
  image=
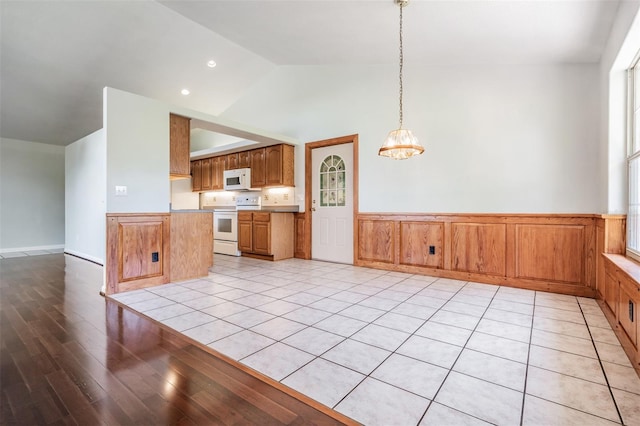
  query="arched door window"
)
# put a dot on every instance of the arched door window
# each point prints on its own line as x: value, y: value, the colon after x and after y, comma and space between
x: 332, y: 182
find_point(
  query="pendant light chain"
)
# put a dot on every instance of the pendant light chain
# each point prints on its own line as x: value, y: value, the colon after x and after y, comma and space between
x: 401, y: 63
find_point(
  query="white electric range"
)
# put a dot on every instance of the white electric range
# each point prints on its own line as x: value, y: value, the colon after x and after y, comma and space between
x: 225, y: 223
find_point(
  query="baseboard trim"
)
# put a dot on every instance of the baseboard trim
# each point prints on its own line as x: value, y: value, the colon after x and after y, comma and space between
x: 84, y: 256
x: 33, y: 248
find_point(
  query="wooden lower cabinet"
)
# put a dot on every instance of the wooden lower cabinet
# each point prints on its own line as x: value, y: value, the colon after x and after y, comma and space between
x: 622, y: 290
x: 611, y: 286
x: 266, y: 235
x: 628, y: 299
x: 245, y: 232
x: 262, y: 233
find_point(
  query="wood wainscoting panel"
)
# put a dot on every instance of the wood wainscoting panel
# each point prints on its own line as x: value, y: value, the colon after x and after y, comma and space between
x: 610, y: 238
x: 600, y: 274
x: 615, y: 234
x: 376, y: 240
x: 415, y: 240
x: 191, y: 245
x: 545, y: 252
x: 551, y: 252
x: 137, y: 243
x: 132, y: 240
x: 479, y: 248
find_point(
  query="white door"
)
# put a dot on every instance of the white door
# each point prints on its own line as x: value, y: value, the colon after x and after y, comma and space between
x: 332, y: 203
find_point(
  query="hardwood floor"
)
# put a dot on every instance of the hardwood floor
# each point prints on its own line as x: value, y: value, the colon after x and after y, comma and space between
x: 69, y: 356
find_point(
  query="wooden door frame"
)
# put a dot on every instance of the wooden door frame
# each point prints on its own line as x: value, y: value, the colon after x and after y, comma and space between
x: 308, y: 177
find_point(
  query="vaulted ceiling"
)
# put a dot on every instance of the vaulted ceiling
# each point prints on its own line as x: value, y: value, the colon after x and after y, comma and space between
x: 56, y: 56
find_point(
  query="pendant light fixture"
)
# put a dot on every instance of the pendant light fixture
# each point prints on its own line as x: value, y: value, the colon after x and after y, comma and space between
x: 400, y: 143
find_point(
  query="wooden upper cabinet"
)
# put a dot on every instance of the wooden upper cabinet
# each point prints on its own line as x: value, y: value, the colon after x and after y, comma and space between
x: 205, y: 166
x: 196, y: 175
x: 180, y: 146
x: 231, y: 161
x: 258, y: 173
x: 244, y: 159
x: 208, y: 174
x: 279, y: 165
x: 270, y: 166
x: 217, y: 172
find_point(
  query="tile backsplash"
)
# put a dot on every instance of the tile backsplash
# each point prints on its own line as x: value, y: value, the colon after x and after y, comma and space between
x: 278, y: 196
x: 284, y: 196
x: 218, y: 199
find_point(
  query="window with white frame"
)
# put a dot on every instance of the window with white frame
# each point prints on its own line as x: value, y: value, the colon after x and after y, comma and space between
x: 633, y: 160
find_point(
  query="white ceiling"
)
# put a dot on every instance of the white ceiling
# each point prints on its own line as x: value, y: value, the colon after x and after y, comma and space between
x: 56, y: 56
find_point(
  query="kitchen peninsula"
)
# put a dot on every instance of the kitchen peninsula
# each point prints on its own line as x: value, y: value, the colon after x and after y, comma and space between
x: 144, y: 250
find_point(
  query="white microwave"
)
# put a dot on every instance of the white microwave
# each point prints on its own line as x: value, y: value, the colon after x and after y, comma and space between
x: 237, y: 179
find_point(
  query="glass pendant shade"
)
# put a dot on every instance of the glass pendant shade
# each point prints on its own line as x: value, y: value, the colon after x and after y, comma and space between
x: 400, y: 145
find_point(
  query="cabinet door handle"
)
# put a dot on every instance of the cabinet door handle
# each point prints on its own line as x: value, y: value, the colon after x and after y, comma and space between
x: 630, y: 310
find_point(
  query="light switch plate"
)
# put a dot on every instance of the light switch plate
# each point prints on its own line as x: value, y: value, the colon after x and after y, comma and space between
x: 121, y: 191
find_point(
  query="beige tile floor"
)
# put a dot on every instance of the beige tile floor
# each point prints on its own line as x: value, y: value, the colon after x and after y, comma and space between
x: 389, y: 348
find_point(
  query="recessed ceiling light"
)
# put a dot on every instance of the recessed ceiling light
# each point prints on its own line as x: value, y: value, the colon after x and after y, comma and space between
x: 211, y: 64
x: 185, y: 92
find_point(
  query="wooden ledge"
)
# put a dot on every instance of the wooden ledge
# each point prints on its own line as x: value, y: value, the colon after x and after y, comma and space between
x: 626, y: 265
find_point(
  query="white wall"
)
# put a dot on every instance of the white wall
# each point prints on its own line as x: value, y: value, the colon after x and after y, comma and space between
x: 137, y: 138
x: 497, y: 138
x: 622, y: 46
x: 181, y: 196
x: 137, y: 135
x: 31, y: 196
x: 85, y: 193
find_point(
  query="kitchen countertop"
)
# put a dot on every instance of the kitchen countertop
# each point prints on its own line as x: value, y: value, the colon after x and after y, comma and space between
x: 280, y: 209
x: 191, y: 211
x: 272, y: 209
